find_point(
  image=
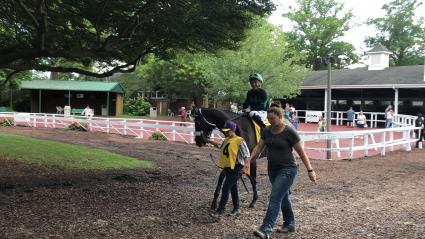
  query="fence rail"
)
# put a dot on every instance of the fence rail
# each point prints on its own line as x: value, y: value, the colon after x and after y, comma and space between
x: 345, y: 144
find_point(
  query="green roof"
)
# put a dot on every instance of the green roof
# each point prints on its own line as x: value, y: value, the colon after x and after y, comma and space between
x: 72, y: 85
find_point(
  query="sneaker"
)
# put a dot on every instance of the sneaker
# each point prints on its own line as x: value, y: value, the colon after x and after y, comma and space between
x: 260, y: 234
x: 216, y: 214
x: 286, y: 229
x: 235, y: 212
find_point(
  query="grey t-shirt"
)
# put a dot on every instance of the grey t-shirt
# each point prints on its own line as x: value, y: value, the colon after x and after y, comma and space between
x: 279, y: 147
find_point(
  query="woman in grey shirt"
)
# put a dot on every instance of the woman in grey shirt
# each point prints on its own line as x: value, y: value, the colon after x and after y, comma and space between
x: 282, y: 168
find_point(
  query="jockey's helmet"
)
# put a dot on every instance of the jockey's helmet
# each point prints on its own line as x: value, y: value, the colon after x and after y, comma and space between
x: 256, y: 76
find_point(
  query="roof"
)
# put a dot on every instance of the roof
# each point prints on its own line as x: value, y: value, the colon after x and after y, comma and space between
x: 379, y: 48
x: 72, y: 85
x: 391, y: 77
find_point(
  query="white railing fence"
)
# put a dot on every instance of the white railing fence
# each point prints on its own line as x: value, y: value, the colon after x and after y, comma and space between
x: 345, y: 144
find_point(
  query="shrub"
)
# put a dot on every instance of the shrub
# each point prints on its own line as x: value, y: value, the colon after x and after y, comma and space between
x: 158, y: 136
x: 79, y: 126
x: 6, y: 122
x: 137, y: 106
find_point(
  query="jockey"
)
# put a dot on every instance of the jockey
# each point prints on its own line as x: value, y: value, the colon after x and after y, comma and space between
x: 256, y: 102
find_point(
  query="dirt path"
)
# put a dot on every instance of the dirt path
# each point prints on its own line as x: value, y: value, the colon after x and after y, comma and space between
x: 370, y: 198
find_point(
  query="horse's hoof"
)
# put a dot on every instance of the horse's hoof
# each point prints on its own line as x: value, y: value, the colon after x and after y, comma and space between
x: 252, y: 205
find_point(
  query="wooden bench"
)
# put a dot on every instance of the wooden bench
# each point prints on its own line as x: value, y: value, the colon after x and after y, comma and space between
x: 76, y: 111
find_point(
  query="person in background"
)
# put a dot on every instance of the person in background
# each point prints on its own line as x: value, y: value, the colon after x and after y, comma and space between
x: 361, y: 120
x: 183, y: 115
x: 234, y: 154
x: 256, y: 102
x: 282, y: 167
x: 88, y: 112
x: 350, y: 117
x: 389, y: 118
x: 321, y: 125
x: 419, y: 122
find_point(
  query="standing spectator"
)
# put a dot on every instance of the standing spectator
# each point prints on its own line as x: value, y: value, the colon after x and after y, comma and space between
x: 350, y: 117
x: 295, y: 121
x: 321, y: 125
x: 233, y: 107
x: 280, y: 140
x: 183, y: 115
x: 389, y: 118
x: 419, y: 122
x: 361, y: 120
x: 389, y: 107
x: 88, y: 112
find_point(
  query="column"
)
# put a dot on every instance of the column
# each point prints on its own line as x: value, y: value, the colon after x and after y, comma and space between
x: 396, y: 100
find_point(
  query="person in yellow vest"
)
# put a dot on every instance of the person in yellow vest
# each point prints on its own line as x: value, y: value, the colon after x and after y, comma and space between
x: 234, y: 154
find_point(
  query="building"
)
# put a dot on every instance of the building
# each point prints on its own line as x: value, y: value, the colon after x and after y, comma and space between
x: 106, y: 98
x: 370, y: 88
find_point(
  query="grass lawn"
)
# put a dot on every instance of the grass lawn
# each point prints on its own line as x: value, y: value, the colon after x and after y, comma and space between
x: 68, y: 156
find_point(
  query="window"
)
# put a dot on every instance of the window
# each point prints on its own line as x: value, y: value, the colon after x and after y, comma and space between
x: 368, y: 102
x: 342, y: 102
x: 357, y: 102
x: 417, y: 103
x: 79, y: 96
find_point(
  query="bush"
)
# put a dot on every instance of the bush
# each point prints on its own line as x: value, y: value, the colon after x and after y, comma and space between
x: 158, y: 136
x: 79, y: 126
x: 6, y: 122
x: 136, y: 106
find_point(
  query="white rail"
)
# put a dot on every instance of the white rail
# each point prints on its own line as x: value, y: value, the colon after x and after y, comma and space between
x: 345, y: 144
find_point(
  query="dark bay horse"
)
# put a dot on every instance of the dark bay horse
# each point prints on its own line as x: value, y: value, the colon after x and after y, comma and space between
x: 206, y: 120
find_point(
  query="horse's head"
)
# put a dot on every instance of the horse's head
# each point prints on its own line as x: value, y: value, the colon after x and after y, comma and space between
x: 203, y: 128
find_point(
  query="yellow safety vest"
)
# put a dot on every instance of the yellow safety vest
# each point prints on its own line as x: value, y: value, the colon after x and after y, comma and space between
x: 229, y: 152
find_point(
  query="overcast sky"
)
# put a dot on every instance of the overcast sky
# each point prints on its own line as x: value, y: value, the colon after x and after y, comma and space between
x: 362, y: 10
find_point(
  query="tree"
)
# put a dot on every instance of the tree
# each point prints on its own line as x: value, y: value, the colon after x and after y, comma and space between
x: 263, y: 51
x: 224, y: 76
x: 317, y: 29
x: 400, y: 32
x: 115, y: 35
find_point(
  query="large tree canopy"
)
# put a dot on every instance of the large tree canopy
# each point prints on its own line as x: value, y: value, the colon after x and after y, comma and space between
x: 115, y: 34
x: 318, y: 26
x: 224, y: 76
x: 400, y: 32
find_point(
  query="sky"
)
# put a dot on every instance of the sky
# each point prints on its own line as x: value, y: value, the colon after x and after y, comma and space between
x: 362, y: 10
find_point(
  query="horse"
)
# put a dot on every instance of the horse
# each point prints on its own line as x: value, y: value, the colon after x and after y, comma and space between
x: 208, y: 119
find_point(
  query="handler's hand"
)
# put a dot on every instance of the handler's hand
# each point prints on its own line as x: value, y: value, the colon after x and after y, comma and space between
x: 312, y: 176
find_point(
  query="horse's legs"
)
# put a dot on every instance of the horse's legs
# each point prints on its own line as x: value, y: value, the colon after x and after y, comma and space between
x: 217, y: 190
x: 253, y: 179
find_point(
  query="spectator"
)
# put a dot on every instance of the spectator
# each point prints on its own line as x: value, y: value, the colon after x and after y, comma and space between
x: 350, y: 117
x: 321, y: 125
x: 419, y: 122
x: 389, y: 118
x: 183, y: 115
x: 88, y: 112
x: 389, y: 107
x: 361, y: 120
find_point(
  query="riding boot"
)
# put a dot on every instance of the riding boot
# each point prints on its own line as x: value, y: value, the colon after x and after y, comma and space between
x: 259, y: 121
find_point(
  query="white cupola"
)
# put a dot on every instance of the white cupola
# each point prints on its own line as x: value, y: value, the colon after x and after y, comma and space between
x: 378, y: 58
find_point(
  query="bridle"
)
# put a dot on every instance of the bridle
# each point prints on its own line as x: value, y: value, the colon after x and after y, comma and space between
x: 205, y: 126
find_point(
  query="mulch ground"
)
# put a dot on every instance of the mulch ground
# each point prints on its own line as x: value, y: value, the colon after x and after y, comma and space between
x: 375, y: 197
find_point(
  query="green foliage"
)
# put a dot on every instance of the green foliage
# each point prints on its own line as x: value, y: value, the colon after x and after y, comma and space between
x: 224, y: 76
x: 158, y: 136
x: 136, y: 106
x: 6, y: 122
x: 318, y: 25
x: 400, y: 32
x: 78, y: 126
x: 115, y: 36
x: 64, y: 156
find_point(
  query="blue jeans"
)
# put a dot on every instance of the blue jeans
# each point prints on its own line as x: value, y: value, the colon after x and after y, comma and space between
x: 388, y: 123
x: 282, y: 181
